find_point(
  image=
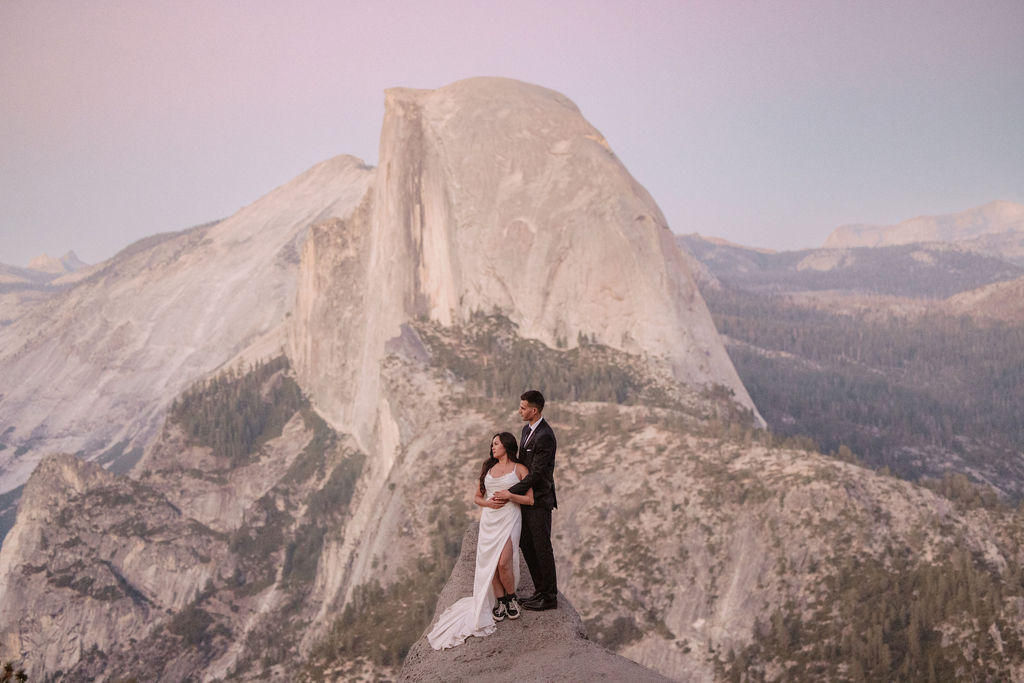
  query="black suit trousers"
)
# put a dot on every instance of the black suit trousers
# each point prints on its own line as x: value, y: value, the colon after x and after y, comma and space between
x: 535, y: 542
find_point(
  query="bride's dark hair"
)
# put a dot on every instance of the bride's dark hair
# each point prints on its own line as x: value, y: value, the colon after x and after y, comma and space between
x: 511, y: 448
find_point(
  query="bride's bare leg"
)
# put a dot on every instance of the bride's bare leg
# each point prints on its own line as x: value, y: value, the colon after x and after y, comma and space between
x: 499, y: 590
x: 505, y: 576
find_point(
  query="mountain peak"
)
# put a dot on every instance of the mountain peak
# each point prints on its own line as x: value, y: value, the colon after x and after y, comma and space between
x: 484, y: 90
x: 497, y: 196
x: 68, y: 263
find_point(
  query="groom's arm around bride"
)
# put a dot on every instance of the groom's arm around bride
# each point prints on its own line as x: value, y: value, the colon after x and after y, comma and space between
x: 537, y: 451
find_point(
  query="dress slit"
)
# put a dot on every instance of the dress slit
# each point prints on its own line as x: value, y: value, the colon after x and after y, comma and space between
x: 471, y: 616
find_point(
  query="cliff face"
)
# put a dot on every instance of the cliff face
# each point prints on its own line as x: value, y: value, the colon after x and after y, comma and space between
x: 496, y: 196
x: 94, y: 561
x: 92, y: 368
x: 921, y: 271
x: 205, y: 561
x: 493, y: 195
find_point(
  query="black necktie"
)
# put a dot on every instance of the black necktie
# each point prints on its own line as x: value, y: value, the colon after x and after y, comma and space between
x: 527, y: 431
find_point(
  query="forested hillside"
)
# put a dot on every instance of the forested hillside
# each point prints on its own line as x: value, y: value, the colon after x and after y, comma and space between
x: 922, y: 395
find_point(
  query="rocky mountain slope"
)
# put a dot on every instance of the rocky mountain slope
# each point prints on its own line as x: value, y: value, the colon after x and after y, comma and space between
x: 495, y: 196
x: 689, y: 542
x: 92, y: 368
x: 98, y: 558
x: 197, y: 565
x: 998, y: 301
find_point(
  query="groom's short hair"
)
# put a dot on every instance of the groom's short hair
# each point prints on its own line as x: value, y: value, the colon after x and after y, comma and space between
x: 534, y: 398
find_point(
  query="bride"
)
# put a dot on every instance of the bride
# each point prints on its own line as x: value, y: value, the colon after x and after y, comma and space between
x: 497, y: 552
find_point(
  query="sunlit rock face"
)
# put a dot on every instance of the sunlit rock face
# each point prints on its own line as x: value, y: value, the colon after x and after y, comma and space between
x: 495, y: 195
x: 491, y: 195
x: 68, y: 263
x: 96, y: 364
x: 77, y: 573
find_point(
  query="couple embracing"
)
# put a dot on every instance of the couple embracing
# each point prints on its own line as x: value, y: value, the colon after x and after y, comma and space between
x: 516, y: 490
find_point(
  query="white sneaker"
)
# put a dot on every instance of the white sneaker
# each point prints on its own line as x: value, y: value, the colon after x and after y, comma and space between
x: 512, y: 607
x: 499, y: 611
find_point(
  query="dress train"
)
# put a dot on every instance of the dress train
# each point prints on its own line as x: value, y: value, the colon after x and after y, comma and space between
x: 471, y: 616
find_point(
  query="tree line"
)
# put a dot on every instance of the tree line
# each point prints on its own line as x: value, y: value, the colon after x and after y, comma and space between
x: 884, y: 385
x: 885, y: 620
x: 237, y: 411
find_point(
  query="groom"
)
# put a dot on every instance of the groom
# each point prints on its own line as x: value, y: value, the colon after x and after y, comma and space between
x: 537, y: 452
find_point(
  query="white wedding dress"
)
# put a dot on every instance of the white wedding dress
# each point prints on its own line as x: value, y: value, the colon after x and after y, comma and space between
x: 471, y: 616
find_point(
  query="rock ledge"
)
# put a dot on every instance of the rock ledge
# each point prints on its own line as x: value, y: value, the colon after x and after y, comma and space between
x: 539, y: 646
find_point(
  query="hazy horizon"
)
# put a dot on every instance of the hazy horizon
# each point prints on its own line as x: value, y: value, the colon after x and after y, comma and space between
x: 766, y: 126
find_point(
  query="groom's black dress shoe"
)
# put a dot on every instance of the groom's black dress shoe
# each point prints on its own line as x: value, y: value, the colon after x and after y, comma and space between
x: 540, y: 603
x: 536, y: 594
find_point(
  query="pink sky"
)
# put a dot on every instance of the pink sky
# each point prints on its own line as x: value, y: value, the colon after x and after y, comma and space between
x: 768, y: 123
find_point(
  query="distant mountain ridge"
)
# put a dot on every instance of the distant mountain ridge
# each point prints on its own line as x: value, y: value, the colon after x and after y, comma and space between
x: 41, y: 270
x: 23, y: 288
x: 68, y: 263
x: 977, y: 226
x: 932, y: 270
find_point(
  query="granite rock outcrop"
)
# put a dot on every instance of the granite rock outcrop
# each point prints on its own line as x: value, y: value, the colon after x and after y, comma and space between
x: 91, y: 368
x: 496, y: 196
x: 539, y: 646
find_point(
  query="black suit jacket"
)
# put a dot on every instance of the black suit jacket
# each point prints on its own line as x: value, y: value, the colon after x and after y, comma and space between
x: 539, y: 457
